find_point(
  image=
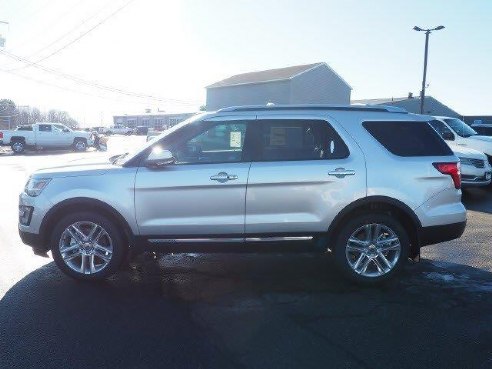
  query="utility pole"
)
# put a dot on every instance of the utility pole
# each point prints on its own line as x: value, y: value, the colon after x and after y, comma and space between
x: 426, y: 52
x: 3, y: 25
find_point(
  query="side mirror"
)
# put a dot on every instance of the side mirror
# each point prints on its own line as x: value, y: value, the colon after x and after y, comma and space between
x: 66, y: 130
x: 448, y: 136
x: 159, y: 158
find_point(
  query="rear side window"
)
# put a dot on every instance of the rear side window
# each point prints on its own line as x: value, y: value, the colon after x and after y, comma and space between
x: 24, y: 128
x: 295, y: 139
x: 408, y: 138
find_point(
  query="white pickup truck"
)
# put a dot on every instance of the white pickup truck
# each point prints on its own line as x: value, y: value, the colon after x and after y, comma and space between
x: 45, y: 135
x: 119, y: 130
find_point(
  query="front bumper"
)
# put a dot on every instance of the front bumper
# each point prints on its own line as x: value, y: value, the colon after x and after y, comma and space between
x: 441, y: 233
x: 32, y: 239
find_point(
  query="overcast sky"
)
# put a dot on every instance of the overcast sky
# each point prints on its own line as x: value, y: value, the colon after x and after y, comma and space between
x: 172, y: 49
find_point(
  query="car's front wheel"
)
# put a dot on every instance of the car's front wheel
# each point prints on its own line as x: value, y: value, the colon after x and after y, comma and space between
x: 80, y: 144
x: 371, y: 248
x: 88, y: 246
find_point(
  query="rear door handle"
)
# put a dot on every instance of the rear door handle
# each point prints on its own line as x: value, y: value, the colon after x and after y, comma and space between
x: 341, y: 172
x: 223, y: 177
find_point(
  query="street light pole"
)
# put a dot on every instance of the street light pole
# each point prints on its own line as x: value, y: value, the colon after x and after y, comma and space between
x: 426, y: 53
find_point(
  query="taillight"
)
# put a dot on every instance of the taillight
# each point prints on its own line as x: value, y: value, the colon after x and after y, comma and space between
x: 452, y: 169
x: 1, y: 135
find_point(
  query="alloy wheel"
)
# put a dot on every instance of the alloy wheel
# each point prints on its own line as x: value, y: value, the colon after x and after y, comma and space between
x: 17, y: 147
x: 80, y: 145
x: 373, y: 250
x: 86, y: 247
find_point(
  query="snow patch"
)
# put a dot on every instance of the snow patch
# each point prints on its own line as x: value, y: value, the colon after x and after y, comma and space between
x: 435, y: 276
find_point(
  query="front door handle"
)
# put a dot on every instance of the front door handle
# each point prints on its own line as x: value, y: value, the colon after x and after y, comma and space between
x: 223, y: 177
x: 341, y: 172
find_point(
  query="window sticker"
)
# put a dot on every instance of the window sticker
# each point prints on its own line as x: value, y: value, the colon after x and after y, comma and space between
x: 235, y: 139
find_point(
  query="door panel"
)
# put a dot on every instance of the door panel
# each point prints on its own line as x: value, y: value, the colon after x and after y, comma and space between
x: 184, y: 200
x: 204, y: 192
x: 302, y: 196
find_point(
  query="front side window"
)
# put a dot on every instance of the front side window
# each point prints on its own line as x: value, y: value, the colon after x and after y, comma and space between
x: 461, y: 128
x: 214, y: 143
x: 296, y: 139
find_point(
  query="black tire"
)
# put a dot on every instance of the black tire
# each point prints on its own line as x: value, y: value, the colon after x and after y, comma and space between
x: 18, y: 147
x: 347, y: 230
x: 119, y: 246
x: 79, y: 145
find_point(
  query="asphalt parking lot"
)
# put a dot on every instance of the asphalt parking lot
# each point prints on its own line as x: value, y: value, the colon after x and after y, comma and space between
x: 242, y: 311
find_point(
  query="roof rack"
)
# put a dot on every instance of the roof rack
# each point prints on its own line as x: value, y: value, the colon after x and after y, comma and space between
x: 269, y: 107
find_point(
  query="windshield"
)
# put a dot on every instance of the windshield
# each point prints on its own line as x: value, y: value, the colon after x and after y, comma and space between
x: 122, y: 159
x: 461, y: 128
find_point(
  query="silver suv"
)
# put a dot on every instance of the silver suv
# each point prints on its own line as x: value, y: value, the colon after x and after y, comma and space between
x: 370, y: 185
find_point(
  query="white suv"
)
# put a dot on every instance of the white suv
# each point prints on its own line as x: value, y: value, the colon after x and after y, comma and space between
x: 369, y: 184
x: 457, y: 132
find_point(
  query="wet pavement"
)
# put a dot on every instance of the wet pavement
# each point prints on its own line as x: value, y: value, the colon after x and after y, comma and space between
x: 244, y: 311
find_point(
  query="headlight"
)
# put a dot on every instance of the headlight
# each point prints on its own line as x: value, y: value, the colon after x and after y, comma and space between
x: 35, y: 186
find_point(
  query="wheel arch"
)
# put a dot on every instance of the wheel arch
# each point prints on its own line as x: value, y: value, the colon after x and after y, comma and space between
x: 387, y: 205
x: 17, y: 138
x: 82, y: 204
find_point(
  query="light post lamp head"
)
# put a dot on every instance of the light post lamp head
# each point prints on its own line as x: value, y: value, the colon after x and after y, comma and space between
x: 417, y: 28
x: 438, y: 28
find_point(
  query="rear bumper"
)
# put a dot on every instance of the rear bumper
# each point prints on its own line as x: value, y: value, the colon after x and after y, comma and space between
x: 441, y: 233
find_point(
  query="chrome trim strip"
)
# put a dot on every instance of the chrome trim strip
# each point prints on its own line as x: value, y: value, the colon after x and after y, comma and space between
x: 275, y: 239
x: 199, y: 240
x: 247, y: 239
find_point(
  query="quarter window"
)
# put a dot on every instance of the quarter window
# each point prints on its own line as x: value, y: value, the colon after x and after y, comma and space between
x: 408, y: 138
x: 292, y: 139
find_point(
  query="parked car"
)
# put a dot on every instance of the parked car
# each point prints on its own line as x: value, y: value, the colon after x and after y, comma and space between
x: 475, y: 168
x: 483, y: 129
x: 45, y: 136
x: 151, y: 134
x: 369, y: 185
x: 459, y: 133
x: 141, y: 130
x: 119, y: 130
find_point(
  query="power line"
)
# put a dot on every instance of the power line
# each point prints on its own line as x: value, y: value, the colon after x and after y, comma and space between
x: 91, y: 83
x: 86, y: 32
x: 66, y: 88
x: 49, y: 26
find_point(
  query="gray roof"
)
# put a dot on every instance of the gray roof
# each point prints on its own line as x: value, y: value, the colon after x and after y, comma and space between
x: 396, y: 100
x: 270, y: 75
x: 387, y: 100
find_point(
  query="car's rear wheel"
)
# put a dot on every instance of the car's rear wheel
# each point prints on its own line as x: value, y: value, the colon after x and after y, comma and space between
x: 88, y: 246
x: 371, y: 248
x: 18, y: 147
